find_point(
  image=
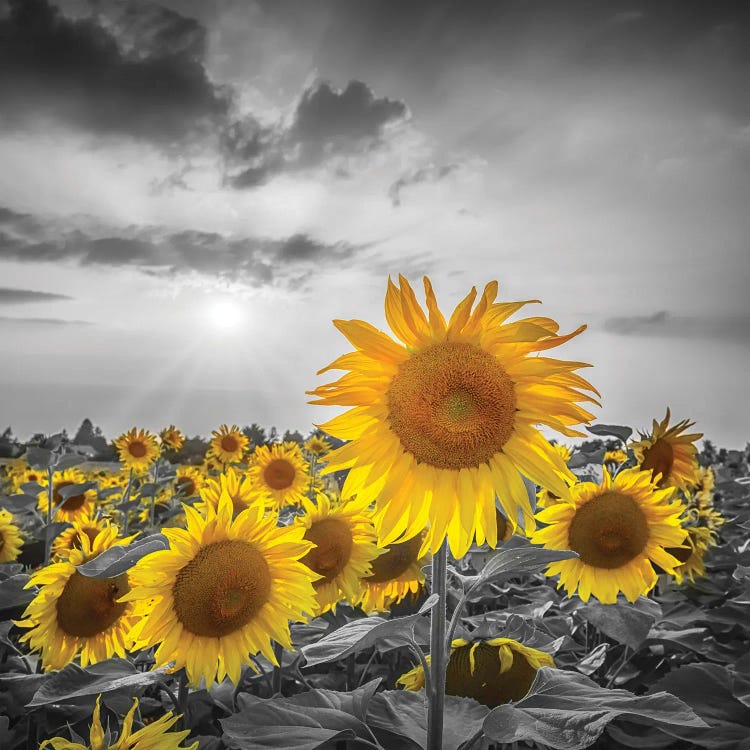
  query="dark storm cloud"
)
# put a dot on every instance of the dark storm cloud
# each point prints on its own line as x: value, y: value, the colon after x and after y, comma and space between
x: 256, y: 261
x: 10, y: 296
x: 327, y: 124
x: 150, y: 84
x: 430, y: 173
x: 733, y: 328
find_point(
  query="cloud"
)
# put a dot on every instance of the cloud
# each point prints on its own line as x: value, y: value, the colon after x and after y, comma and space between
x: 10, y: 296
x: 158, y: 251
x: 662, y: 323
x: 141, y: 75
x: 328, y: 124
x: 431, y: 173
x: 42, y: 321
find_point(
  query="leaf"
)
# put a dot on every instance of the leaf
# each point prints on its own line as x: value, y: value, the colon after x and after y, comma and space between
x: 52, y: 530
x: 116, y: 560
x: 363, y: 633
x: 398, y: 714
x: 621, y: 622
x: 73, y: 490
x: 619, y: 431
x: 39, y: 458
x: 68, y: 461
x: 590, y: 663
x: 13, y: 594
x: 303, y: 722
x: 567, y: 711
x: 72, y: 682
x: 17, y: 503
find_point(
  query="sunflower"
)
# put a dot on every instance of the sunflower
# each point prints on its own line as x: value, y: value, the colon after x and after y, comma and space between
x: 29, y: 475
x: 70, y: 539
x: 618, y: 528
x: 280, y: 475
x: 492, y: 672
x: 691, y: 554
x: 618, y: 456
x: 669, y: 454
x: 171, y: 438
x: 73, y: 613
x: 138, y: 449
x: 505, y: 527
x: 188, y: 481
x: 395, y: 574
x: 222, y: 591
x: 445, y: 422
x: 238, y: 488
x: 228, y: 444
x: 345, y: 546
x: 155, y: 736
x: 317, y: 446
x: 72, y: 507
x: 10, y: 537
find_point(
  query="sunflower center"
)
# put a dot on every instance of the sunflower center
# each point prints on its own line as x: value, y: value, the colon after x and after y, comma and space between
x: 73, y: 502
x: 486, y: 684
x: 279, y: 474
x: 137, y: 449
x: 88, y: 606
x: 229, y: 443
x: 395, y: 561
x: 452, y: 405
x: 609, y: 530
x: 330, y: 557
x: 659, y: 458
x: 681, y: 553
x: 222, y: 588
x: 186, y: 486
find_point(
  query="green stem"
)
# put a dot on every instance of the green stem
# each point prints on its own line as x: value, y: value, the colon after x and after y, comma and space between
x: 50, y: 498
x: 278, y: 651
x: 125, y: 503
x: 152, y: 513
x: 312, y: 479
x: 438, y: 650
x: 182, y: 698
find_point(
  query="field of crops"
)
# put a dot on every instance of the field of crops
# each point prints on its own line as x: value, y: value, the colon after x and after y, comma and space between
x: 426, y: 570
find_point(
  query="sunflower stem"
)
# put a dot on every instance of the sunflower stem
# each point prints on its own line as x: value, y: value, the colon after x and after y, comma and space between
x: 438, y: 650
x: 182, y: 698
x: 50, y: 498
x: 152, y: 512
x: 278, y: 651
x: 125, y: 503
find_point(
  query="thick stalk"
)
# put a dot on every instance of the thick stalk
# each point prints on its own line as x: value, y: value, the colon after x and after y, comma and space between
x: 438, y: 650
x: 152, y: 512
x: 278, y: 652
x: 50, y: 499
x: 125, y: 504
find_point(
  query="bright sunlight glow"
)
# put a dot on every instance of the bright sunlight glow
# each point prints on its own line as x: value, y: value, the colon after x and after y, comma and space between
x: 225, y: 315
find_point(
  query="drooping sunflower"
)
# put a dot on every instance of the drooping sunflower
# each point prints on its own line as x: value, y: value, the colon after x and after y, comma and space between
x: 395, y: 574
x: 70, y: 508
x: 228, y: 444
x: 73, y: 613
x: 669, y: 453
x: 279, y: 474
x: 68, y: 540
x: 223, y: 591
x: 11, y: 540
x: 188, y: 481
x: 172, y: 438
x: 154, y: 736
x: 138, y: 449
x: 691, y: 554
x: 506, y: 527
x: 317, y: 446
x: 345, y: 548
x: 238, y: 487
x: 492, y: 672
x: 618, y: 528
x: 445, y: 421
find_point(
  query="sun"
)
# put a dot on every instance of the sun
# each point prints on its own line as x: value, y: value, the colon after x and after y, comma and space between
x: 225, y: 315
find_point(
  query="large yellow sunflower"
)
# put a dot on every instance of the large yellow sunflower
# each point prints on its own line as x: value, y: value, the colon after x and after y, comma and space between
x: 395, y: 574
x: 492, y: 672
x: 138, y: 449
x: 445, y: 421
x: 669, y: 454
x: 222, y: 591
x: 73, y: 613
x: 280, y: 475
x: 228, y: 444
x: 154, y: 736
x: 238, y: 488
x: 71, y: 508
x: 345, y: 546
x: 171, y: 438
x: 618, y: 528
x: 10, y: 537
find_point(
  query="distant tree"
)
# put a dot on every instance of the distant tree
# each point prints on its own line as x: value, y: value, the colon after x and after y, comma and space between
x: 10, y: 447
x: 708, y: 453
x: 273, y: 435
x: 293, y: 437
x: 255, y: 434
x: 193, y: 451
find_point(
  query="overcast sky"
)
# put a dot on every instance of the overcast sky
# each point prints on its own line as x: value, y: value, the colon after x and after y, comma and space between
x: 190, y: 191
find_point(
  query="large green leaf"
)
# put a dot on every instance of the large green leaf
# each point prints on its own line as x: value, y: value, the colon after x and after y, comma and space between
x: 116, y: 560
x: 567, y: 711
x: 622, y: 622
x: 13, y: 594
x: 361, y: 634
x: 615, y: 430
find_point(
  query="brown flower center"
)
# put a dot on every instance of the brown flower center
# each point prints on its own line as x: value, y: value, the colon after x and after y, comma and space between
x: 279, y: 474
x: 395, y: 561
x: 452, y: 405
x: 88, y: 606
x: 334, y: 539
x: 609, y: 530
x: 137, y: 449
x: 659, y: 458
x: 229, y: 444
x: 222, y: 588
x: 186, y: 486
x: 486, y: 684
x: 74, y: 502
x: 681, y: 553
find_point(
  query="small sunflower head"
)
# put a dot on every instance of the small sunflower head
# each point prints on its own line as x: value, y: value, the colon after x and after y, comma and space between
x: 171, y: 438
x: 138, y: 449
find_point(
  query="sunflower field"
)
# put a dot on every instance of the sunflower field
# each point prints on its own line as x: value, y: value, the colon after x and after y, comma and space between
x: 461, y: 557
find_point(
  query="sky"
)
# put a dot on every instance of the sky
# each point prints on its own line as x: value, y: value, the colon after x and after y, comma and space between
x: 191, y: 191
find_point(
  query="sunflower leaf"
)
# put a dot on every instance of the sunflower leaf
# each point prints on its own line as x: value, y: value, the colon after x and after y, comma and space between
x: 567, y: 711
x: 619, y: 431
x: 622, y: 622
x: 16, y: 503
x: 116, y: 560
x: 39, y: 458
x: 68, y: 461
x: 13, y: 594
x: 363, y: 633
